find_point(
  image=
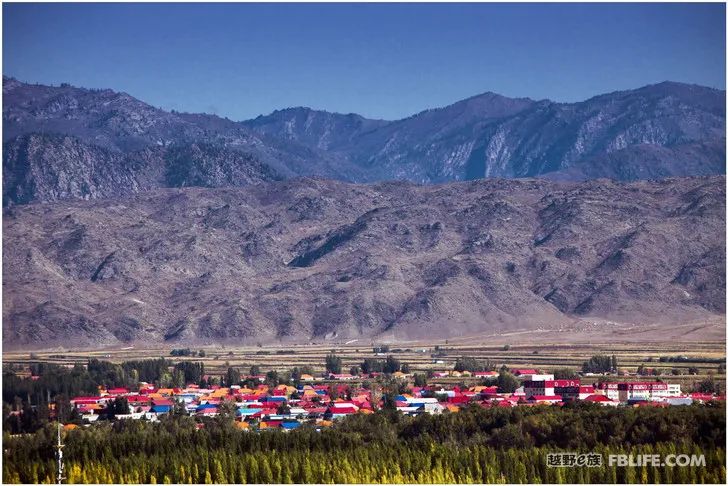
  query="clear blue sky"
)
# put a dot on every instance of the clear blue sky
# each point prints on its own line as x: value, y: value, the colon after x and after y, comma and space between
x: 381, y: 60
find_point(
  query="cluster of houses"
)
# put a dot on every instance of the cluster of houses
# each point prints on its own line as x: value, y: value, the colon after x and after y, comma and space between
x: 281, y: 406
x: 287, y: 407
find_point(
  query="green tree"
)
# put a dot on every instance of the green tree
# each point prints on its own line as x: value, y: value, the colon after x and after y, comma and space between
x: 333, y: 363
x: 708, y: 385
x: 507, y: 383
x: 226, y: 411
x: 598, y: 364
x: 467, y: 363
x: 232, y: 377
x: 271, y: 378
x: 565, y: 374
x: 120, y: 406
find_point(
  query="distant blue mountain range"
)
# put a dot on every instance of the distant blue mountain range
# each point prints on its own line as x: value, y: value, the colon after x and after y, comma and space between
x: 67, y: 142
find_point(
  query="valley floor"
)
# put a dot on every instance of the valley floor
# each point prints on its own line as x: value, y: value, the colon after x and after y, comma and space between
x: 517, y: 350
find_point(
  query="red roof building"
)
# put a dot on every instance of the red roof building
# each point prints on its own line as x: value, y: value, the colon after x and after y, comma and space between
x: 343, y: 409
x: 135, y: 399
x: 457, y: 399
x: 601, y: 400
x: 545, y: 398
x: 489, y: 391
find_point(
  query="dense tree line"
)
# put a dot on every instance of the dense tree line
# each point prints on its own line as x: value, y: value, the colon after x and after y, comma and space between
x: 54, y: 379
x: 52, y: 384
x: 473, y: 445
x: 505, y: 381
x: 565, y: 374
x: 388, y: 365
x: 688, y: 359
x: 130, y: 373
x: 183, y: 352
x: 192, y: 372
x: 333, y: 363
x: 471, y: 364
x: 600, y: 364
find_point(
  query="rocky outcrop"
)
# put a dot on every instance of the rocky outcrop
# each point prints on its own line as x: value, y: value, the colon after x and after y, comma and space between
x: 52, y: 168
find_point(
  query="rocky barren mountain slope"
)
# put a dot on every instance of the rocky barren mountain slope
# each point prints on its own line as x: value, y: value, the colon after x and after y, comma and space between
x: 494, y: 136
x: 72, y: 143
x: 321, y: 260
x: 125, y: 223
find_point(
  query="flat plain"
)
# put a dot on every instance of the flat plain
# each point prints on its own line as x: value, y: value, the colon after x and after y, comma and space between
x: 518, y: 350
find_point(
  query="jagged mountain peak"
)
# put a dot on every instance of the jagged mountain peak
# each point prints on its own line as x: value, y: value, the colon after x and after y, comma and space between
x: 322, y: 130
x: 487, y: 135
x: 311, y: 113
x: 294, y: 110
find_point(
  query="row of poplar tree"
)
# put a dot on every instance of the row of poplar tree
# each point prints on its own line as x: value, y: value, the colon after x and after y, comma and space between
x: 474, y: 445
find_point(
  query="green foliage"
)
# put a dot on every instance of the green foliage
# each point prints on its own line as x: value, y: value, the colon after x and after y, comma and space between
x: 475, y: 445
x: 56, y: 382
x: 472, y: 364
x: 226, y: 411
x: 193, y: 371
x: 391, y: 365
x: 232, y: 377
x: 565, y: 374
x: 372, y: 365
x: 333, y: 363
x: 688, y: 359
x: 120, y: 406
x: 505, y: 381
x: 600, y: 364
x: 271, y: 378
x: 708, y: 385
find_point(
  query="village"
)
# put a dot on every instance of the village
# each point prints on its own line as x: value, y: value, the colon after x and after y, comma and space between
x: 321, y: 400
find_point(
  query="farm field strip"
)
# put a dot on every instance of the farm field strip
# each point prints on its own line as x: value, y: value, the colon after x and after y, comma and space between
x: 420, y: 357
